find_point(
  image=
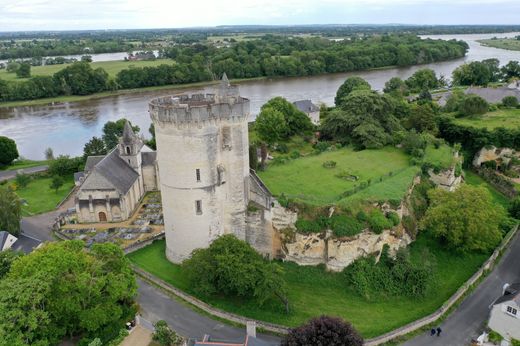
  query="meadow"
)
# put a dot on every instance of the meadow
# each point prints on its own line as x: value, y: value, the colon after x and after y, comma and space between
x: 506, y: 118
x: 39, y: 196
x: 502, y: 43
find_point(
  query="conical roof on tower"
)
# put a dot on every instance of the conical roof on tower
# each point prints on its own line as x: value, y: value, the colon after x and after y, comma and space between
x: 225, y: 80
x: 128, y: 133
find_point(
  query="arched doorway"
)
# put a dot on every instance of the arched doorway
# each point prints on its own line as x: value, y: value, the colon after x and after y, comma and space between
x: 102, y: 216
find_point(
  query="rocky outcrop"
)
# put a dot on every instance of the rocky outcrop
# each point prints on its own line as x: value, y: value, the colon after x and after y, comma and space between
x: 446, y: 179
x: 492, y: 154
x: 283, y: 218
x: 336, y: 254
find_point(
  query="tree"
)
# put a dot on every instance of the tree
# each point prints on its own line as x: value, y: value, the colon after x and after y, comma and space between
x: 49, y: 154
x: 7, y: 257
x: 152, y: 142
x: 112, y: 130
x: 232, y: 267
x: 271, y: 127
x: 8, y: 151
x: 94, y: 147
x: 510, y: 101
x: 22, y: 180
x: 476, y: 73
x: 423, y: 79
x: 12, y: 66
x: 62, y: 289
x: 466, y: 219
x: 323, y: 330
x: 64, y: 165
x: 421, y: 118
x: 10, y: 211
x: 80, y: 79
x: 24, y: 71
x: 164, y: 335
x: 348, y: 86
x: 56, y: 183
x: 473, y: 105
x: 365, y: 119
x: 510, y: 70
x: 396, y: 86
x: 514, y: 208
x: 297, y: 121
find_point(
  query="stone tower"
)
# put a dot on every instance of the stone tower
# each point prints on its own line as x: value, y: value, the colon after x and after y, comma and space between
x: 129, y: 147
x: 203, y: 158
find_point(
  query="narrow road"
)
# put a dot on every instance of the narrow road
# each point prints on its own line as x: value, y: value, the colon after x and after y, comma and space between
x: 10, y: 174
x: 156, y: 305
x: 470, y: 318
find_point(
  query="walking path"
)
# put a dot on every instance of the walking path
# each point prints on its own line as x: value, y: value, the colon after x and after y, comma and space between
x: 10, y: 174
x: 469, y: 319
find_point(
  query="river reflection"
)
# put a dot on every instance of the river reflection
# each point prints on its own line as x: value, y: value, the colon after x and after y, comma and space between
x: 67, y: 127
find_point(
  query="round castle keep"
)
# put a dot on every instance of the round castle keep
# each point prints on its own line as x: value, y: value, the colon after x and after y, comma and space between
x: 203, y: 159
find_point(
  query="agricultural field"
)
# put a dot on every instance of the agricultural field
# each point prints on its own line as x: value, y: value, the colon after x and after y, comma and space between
x: 507, y: 118
x: 502, y: 43
x: 329, y: 292
x: 386, y: 174
x: 112, y: 68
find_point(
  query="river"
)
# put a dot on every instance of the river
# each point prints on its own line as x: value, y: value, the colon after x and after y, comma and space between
x: 67, y: 127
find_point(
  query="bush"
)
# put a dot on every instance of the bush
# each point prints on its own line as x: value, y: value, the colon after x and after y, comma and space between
x: 65, y: 165
x: 494, y: 337
x: 164, y: 335
x: 8, y: 151
x: 329, y: 164
x: 473, y: 105
x: 22, y: 180
x: 295, y: 154
x: 378, y: 222
x: 362, y: 216
x: 345, y: 226
x: 514, y: 208
x: 282, y: 148
x: 308, y: 226
x: 394, y: 217
x: 510, y: 101
x: 321, y: 146
x: 283, y: 200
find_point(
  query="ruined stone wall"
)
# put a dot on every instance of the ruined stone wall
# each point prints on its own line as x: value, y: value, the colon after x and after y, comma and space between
x: 149, y: 178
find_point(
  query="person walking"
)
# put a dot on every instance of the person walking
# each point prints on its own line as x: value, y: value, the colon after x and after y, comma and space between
x: 432, y: 332
x: 439, y: 331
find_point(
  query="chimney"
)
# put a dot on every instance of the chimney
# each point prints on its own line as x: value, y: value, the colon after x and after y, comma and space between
x: 251, y: 328
x: 504, y: 289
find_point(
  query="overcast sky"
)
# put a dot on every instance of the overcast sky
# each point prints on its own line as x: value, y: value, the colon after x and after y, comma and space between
x: 19, y: 15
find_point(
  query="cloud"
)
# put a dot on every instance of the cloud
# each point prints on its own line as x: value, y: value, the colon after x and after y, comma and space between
x: 114, y: 14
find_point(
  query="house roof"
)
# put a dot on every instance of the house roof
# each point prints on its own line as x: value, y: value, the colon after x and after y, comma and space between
x: 93, y: 161
x: 512, y: 293
x: 493, y: 95
x: 111, y: 173
x: 306, y: 106
x: 25, y: 244
x: 3, y: 238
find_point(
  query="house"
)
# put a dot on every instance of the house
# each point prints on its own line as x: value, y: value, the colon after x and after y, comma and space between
x: 23, y: 243
x: 505, y: 313
x: 112, y: 185
x: 309, y: 108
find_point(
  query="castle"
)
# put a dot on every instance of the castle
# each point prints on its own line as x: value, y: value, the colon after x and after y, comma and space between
x: 205, y: 180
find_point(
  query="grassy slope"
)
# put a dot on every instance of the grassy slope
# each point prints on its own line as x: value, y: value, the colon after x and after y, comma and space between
x: 40, y: 197
x: 507, y: 118
x: 473, y: 179
x: 313, y: 291
x: 309, y: 180
x: 112, y: 68
x: 502, y: 43
x: 23, y: 164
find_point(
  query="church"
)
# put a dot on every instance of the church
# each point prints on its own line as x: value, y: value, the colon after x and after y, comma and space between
x: 111, y: 186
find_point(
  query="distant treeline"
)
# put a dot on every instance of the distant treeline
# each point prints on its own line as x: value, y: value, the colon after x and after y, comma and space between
x: 271, y: 55
x: 11, y: 49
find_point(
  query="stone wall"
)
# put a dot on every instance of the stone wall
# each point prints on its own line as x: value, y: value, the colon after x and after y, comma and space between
x: 446, y: 179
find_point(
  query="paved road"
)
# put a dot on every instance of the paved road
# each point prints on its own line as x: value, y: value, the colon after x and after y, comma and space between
x: 6, y: 175
x: 156, y: 305
x: 469, y: 319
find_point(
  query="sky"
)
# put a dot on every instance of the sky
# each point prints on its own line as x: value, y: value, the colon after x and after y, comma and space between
x: 29, y: 15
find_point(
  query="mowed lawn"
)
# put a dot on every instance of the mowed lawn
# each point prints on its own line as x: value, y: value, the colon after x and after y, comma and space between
x: 312, y: 291
x: 507, y: 118
x: 307, y: 179
x: 112, y: 68
x: 40, y: 197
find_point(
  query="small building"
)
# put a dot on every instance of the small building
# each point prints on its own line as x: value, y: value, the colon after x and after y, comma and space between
x: 309, y: 108
x: 505, y: 313
x: 6, y: 240
x: 112, y: 186
x: 23, y: 243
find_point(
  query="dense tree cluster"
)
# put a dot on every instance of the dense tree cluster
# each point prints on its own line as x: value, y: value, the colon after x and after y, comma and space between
x: 10, y: 211
x: 485, y: 72
x: 465, y: 219
x: 232, y: 267
x: 8, y: 151
x: 64, y: 290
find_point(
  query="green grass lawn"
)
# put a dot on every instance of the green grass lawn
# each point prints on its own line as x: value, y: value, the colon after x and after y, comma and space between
x: 472, y: 178
x: 507, y: 118
x: 502, y: 43
x: 21, y: 164
x: 313, y: 291
x: 40, y: 197
x: 112, y: 68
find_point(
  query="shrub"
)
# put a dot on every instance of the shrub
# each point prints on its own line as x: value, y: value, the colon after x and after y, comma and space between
x: 321, y: 146
x: 514, y: 208
x: 329, y: 164
x: 282, y: 148
x: 394, y: 217
x: 410, y: 225
x: 362, y: 216
x: 283, y: 200
x: 378, y: 222
x: 495, y: 337
x: 473, y: 105
x: 64, y: 165
x: 295, y: 154
x: 308, y: 226
x: 22, y: 180
x: 345, y: 226
x: 8, y: 151
x: 164, y: 335
x: 510, y: 101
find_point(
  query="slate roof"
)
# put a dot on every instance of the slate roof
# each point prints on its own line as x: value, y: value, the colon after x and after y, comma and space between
x: 111, y: 173
x: 512, y: 293
x: 25, y: 244
x: 3, y: 238
x: 306, y: 106
x: 493, y: 95
x: 92, y: 161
